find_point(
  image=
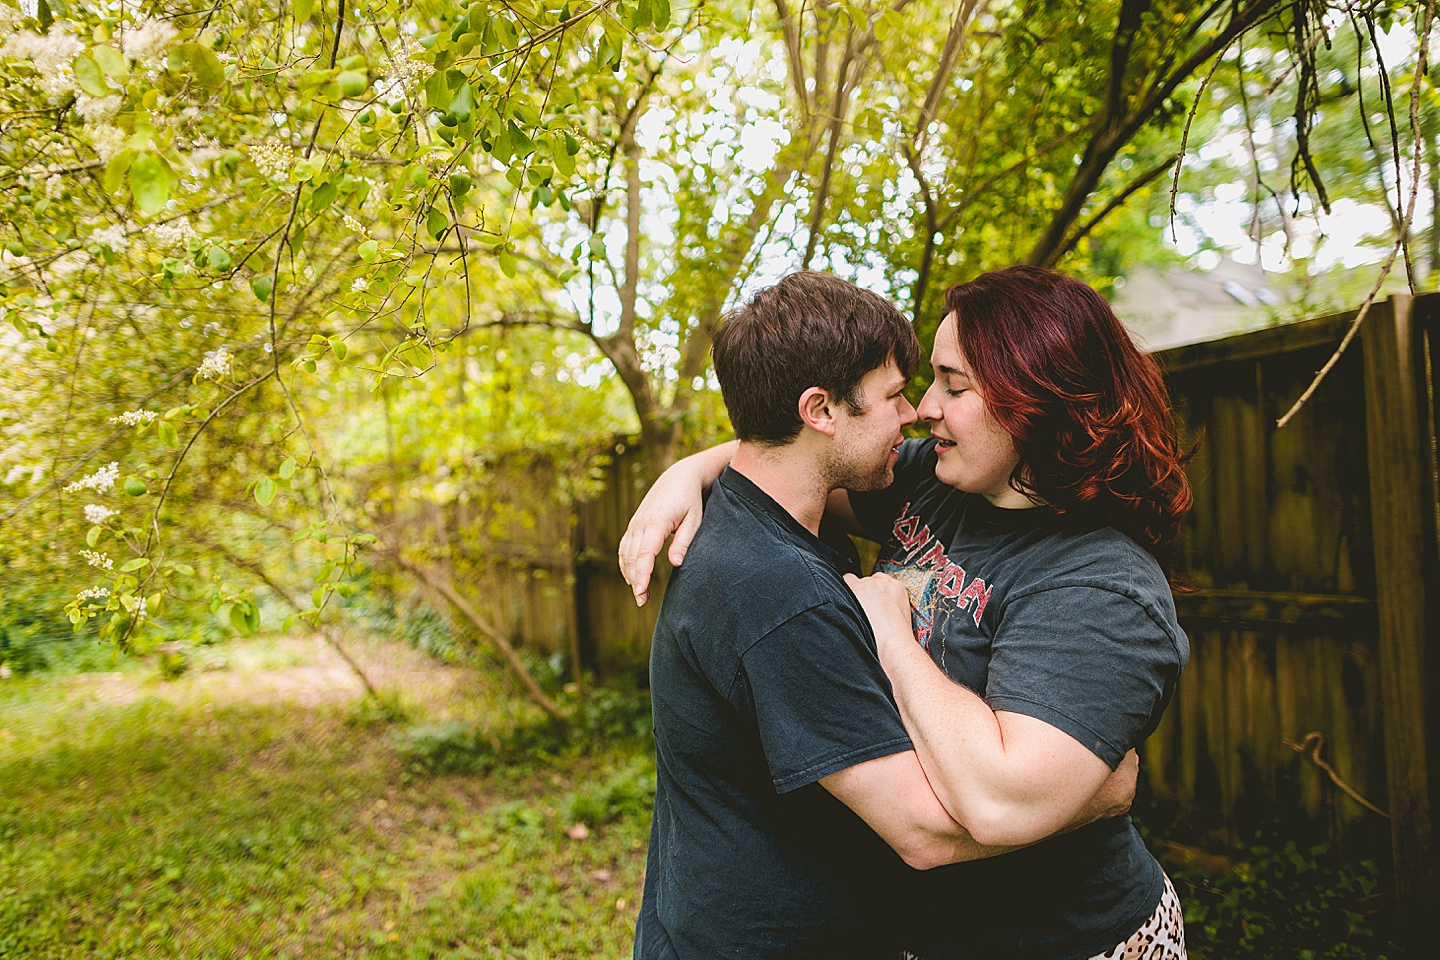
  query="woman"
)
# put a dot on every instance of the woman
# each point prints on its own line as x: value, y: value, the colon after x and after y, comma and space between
x: 1024, y: 544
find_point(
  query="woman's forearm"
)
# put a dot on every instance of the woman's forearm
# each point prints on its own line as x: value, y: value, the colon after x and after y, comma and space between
x: 1008, y: 778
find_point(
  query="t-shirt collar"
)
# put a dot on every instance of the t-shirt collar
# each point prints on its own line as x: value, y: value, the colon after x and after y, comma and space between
x: 742, y: 486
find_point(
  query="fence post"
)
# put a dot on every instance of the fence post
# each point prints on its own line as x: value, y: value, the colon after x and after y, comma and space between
x: 1398, y: 453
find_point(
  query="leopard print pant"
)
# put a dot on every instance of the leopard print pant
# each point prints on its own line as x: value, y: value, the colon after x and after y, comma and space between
x: 1162, y: 937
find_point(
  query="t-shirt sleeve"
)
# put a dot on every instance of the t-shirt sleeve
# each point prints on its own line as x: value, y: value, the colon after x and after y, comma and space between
x: 877, y: 509
x: 1091, y: 661
x: 820, y: 700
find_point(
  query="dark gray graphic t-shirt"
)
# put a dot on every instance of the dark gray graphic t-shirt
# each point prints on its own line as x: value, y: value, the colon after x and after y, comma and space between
x: 1071, y: 625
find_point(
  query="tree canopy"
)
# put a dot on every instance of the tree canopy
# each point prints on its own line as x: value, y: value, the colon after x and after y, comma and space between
x: 270, y: 270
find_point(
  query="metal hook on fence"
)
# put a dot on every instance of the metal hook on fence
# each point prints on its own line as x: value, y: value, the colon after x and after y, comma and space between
x: 1313, y: 742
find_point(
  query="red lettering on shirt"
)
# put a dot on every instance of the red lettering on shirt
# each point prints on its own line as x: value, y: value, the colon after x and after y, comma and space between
x: 909, y: 532
x: 978, y: 593
x: 934, y: 557
x: 950, y: 579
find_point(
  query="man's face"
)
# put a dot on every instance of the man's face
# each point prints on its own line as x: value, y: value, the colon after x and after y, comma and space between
x: 864, y: 453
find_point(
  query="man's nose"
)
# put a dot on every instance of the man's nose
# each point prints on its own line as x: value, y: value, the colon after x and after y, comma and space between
x: 907, y: 413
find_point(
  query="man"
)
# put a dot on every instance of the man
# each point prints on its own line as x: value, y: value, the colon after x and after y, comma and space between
x: 789, y: 799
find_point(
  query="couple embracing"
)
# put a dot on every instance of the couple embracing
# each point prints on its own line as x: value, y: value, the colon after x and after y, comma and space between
x: 933, y: 761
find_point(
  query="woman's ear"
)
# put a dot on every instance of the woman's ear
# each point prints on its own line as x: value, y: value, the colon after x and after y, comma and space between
x: 816, y: 409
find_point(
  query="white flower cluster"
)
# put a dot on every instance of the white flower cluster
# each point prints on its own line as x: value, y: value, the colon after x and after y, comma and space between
x: 176, y: 233
x: 101, y: 481
x: 97, y: 514
x: 146, y: 40
x: 10, y: 17
x: 139, y: 608
x: 50, y: 55
x: 404, y: 73
x: 133, y: 418
x: 352, y: 224
x: 360, y: 285
x: 112, y: 236
x: 273, y: 158
x: 216, y: 364
x: 100, y: 560
x: 92, y: 593
x: 107, y: 140
x: 97, y: 109
x: 54, y: 186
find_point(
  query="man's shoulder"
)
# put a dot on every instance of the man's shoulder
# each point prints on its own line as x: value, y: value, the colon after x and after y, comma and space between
x: 746, y: 568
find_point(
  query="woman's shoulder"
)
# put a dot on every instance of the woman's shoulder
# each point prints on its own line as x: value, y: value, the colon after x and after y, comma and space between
x: 1103, y: 558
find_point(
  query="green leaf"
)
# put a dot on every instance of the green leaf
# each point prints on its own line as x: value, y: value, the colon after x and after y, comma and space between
x: 112, y: 62
x: 116, y: 169
x: 462, y: 105
x: 264, y: 491
x: 459, y: 184
x: 135, y: 487
x: 89, y: 76
x: 219, y: 258
x: 368, y: 250
x: 304, y: 170
x: 436, y: 223
x: 262, y: 287
x: 524, y: 146
x: 168, y: 434
x: 564, y: 162
x: 209, y: 71
x: 303, y: 9
x: 324, y: 195
x: 287, y: 467
x: 139, y: 563
x: 240, y: 618
x: 507, y: 263
x: 92, y: 536
x: 352, y: 83
x: 660, y: 14
x: 340, y: 350
x: 149, y: 183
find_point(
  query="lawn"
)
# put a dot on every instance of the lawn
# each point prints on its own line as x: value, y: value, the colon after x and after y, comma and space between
x: 257, y: 806
x: 249, y: 809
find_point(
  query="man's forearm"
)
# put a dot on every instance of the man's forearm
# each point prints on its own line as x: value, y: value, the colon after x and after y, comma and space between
x: 893, y: 796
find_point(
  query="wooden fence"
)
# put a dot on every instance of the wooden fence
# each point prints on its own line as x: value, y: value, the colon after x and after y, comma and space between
x: 1311, y: 555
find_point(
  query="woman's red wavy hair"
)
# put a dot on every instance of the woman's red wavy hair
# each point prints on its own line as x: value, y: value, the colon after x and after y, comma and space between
x: 1089, y: 412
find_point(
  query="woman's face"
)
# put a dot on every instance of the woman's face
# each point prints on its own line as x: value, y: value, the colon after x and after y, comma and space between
x: 976, y: 454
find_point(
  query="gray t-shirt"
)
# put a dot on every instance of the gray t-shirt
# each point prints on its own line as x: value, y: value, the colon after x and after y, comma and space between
x: 1070, y: 624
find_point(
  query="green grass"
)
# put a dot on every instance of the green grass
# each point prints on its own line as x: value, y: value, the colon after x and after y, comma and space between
x: 228, y: 815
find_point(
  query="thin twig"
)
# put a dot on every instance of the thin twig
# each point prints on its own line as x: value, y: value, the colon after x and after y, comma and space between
x: 1313, y: 742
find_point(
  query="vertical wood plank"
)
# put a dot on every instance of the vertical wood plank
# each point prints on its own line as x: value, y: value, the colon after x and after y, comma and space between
x: 1397, y: 455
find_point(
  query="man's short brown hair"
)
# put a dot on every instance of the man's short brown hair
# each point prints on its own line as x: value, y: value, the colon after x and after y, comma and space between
x: 809, y: 330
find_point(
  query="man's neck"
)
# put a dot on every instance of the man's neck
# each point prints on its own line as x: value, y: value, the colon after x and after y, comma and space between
x: 789, y: 476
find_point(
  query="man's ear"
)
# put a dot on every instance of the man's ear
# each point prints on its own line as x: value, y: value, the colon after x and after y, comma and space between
x: 817, y: 410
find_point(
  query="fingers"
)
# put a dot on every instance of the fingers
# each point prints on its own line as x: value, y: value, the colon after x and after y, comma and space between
x: 683, y: 536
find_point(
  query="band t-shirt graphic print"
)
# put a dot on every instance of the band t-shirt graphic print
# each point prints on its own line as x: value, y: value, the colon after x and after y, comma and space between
x: 1070, y: 624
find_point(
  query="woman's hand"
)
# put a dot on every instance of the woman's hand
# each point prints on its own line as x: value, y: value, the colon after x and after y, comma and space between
x: 886, y: 603
x: 673, y: 506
